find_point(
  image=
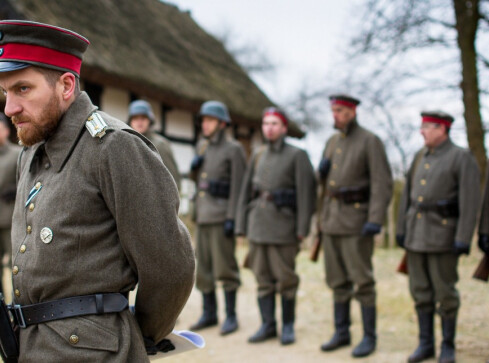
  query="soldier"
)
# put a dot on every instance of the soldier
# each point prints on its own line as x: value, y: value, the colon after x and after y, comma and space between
x: 276, y: 203
x: 217, y: 170
x: 357, y: 187
x: 87, y: 219
x: 9, y: 154
x: 437, y: 216
x: 141, y: 118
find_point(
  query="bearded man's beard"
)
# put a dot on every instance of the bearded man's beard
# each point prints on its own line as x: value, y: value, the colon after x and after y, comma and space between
x: 42, y: 126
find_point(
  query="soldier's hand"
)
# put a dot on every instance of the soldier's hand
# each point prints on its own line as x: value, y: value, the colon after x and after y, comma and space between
x: 229, y: 228
x: 484, y: 243
x: 369, y: 229
x: 197, y: 162
x: 163, y: 346
x: 460, y: 248
x: 400, y: 240
x: 324, y: 166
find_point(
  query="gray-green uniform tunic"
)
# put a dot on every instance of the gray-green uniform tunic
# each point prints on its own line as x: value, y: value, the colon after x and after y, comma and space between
x: 111, y: 207
x: 9, y: 153
x: 358, y: 160
x: 164, y: 149
x: 273, y: 232
x: 224, y: 161
x: 447, y: 173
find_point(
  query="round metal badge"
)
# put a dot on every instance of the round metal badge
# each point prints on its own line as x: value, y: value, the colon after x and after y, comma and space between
x: 46, y: 235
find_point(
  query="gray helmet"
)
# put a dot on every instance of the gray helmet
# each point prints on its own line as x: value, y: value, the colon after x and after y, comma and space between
x: 215, y: 109
x: 141, y: 107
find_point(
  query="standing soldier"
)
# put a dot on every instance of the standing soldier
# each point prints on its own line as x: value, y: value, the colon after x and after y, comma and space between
x: 357, y: 187
x: 275, y: 207
x: 217, y: 169
x: 141, y: 118
x: 437, y: 216
x: 9, y: 153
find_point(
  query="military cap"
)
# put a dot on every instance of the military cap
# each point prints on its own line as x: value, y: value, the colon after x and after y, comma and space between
x: 25, y: 43
x: 344, y: 100
x: 276, y: 112
x: 438, y: 117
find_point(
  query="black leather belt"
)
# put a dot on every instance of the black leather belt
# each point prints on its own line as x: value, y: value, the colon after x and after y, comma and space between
x: 67, y: 308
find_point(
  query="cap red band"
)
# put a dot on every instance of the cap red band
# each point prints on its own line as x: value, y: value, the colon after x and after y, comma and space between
x: 343, y: 103
x: 437, y: 120
x: 278, y: 114
x: 34, y: 53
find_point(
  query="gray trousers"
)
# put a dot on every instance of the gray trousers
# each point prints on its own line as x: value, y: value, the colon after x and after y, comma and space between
x: 348, y: 265
x: 432, y: 279
x: 274, y: 268
x: 216, y: 260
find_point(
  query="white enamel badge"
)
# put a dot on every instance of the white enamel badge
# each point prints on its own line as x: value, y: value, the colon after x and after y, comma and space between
x: 46, y: 235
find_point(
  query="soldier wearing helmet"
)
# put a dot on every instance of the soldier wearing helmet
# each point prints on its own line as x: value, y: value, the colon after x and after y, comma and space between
x: 141, y: 118
x: 217, y: 169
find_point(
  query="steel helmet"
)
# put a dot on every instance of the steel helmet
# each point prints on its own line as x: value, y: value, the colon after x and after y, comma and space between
x: 215, y: 109
x: 141, y: 107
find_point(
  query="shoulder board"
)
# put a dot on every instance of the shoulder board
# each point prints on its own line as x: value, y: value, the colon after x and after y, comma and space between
x: 96, y: 125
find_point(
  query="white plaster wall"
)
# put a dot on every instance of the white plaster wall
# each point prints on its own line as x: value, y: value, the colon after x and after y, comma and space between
x: 179, y: 123
x: 115, y: 102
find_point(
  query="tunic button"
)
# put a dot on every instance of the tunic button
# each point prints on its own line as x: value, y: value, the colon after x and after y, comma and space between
x: 29, y: 229
x: 203, y: 175
x: 15, y: 270
x: 17, y: 292
x: 423, y: 181
x: 356, y: 205
x: 335, y: 166
x: 426, y: 166
x: 420, y: 198
x: 338, y: 151
x: 419, y: 215
x: 38, y: 185
x: 202, y: 194
x: 31, y: 207
x: 332, y: 183
x: 22, y: 248
x: 74, y: 339
x: 47, y: 166
x: 444, y: 221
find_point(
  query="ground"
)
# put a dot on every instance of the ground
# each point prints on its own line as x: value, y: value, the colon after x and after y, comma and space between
x: 397, y: 324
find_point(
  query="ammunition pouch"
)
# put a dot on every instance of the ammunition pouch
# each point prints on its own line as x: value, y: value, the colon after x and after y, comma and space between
x: 216, y: 188
x: 446, y: 208
x: 9, y: 343
x: 350, y: 195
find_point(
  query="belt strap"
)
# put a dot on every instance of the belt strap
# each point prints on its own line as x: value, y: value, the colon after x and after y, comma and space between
x: 69, y: 307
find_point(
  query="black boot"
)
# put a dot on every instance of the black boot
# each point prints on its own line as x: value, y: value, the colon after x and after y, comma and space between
x: 288, y: 318
x: 209, y: 315
x: 268, y: 329
x: 448, y: 328
x: 367, y: 345
x: 341, y: 335
x: 231, y: 323
x: 426, y: 347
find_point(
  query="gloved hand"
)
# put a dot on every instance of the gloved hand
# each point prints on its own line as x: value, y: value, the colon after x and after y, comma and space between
x: 324, y: 167
x: 369, y: 229
x: 400, y: 240
x: 484, y: 243
x: 164, y: 346
x: 229, y: 228
x: 460, y: 248
x: 197, y: 162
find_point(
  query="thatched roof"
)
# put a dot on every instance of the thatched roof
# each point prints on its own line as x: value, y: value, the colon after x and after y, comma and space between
x: 153, y: 49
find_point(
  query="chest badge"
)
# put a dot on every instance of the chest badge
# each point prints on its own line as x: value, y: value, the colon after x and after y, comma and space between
x: 46, y: 235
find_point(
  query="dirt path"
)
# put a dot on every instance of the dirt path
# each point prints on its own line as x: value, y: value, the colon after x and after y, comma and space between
x: 397, y: 325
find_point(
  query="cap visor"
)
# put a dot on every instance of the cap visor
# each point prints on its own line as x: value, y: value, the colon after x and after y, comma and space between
x: 12, y: 66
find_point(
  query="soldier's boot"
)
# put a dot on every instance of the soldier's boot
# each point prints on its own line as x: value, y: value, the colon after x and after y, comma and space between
x: 288, y: 318
x: 268, y: 328
x: 448, y: 328
x: 231, y: 323
x: 368, y: 343
x: 209, y: 315
x: 341, y: 335
x: 426, y: 347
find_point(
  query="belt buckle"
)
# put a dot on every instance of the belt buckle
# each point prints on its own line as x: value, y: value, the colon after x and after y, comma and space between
x: 18, y: 315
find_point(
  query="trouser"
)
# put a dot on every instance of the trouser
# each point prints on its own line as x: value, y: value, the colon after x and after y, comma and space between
x: 216, y: 260
x: 348, y: 265
x: 274, y: 268
x: 432, y: 279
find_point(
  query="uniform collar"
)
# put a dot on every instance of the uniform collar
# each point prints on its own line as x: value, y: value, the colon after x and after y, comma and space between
x: 217, y: 137
x: 59, y: 147
x: 350, y: 128
x: 276, y: 145
x: 440, y: 149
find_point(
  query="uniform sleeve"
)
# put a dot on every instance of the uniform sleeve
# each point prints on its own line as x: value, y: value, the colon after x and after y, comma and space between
x: 245, y: 195
x: 484, y: 220
x: 144, y: 201
x: 305, y: 183
x: 170, y: 163
x: 380, y: 181
x: 468, y: 198
x: 238, y: 168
